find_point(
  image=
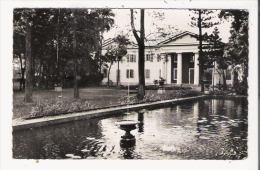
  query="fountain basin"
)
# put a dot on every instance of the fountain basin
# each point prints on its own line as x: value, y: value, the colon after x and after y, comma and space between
x: 127, y: 125
x: 127, y: 140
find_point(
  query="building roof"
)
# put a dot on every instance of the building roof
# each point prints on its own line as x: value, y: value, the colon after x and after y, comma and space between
x: 176, y: 37
x: 164, y: 42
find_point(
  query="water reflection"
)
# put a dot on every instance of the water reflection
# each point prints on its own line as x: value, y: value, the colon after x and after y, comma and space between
x: 141, y: 120
x: 207, y: 129
x: 129, y: 153
x: 53, y: 141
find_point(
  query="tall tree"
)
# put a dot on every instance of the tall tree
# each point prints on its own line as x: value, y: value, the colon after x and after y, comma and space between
x: 43, y: 45
x: 19, y: 51
x: 52, y: 41
x: 29, y: 76
x: 202, y: 20
x: 23, y: 25
x: 57, y: 48
x: 75, y: 64
x: 213, y: 54
x: 238, y: 17
x: 236, y: 51
x: 115, y: 52
x: 141, y: 48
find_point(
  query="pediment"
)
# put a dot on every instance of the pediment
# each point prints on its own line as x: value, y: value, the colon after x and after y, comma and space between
x: 185, y: 38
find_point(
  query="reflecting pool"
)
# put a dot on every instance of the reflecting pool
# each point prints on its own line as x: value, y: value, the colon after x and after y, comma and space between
x: 204, y: 129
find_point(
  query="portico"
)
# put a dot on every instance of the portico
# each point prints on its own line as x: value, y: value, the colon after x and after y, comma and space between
x: 182, y: 54
x: 181, y: 68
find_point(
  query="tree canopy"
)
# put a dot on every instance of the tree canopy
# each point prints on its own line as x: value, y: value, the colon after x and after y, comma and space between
x: 51, y: 34
x: 236, y: 50
x: 202, y: 19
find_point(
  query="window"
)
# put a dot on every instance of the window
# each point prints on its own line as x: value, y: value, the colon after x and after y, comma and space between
x: 131, y: 58
x: 228, y: 75
x: 160, y: 73
x: 130, y: 73
x: 147, y: 73
x: 149, y: 57
x: 175, y: 74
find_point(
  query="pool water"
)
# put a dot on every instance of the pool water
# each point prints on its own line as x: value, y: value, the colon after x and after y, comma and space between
x: 204, y: 129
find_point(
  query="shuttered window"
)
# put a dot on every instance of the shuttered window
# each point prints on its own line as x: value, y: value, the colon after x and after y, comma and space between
x: 148, y: 57
x: 129, y: 73
x: 147, y: 73
x: 131, y: 58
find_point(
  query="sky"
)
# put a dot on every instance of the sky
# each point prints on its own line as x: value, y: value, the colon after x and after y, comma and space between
x: 176, y: 18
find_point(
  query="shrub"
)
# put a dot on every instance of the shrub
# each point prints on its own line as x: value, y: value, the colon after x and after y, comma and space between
x: 46, y: 108
x: 184, y: 93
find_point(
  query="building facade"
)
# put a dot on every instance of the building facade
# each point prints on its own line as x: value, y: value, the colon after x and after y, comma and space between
x: 175, y: 59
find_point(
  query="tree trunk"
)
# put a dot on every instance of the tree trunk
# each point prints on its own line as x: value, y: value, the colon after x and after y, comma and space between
x: 75, y: 65
x: 141, y: 67
x: 22, y: 80
x: 201, y: 63
x: 108, y: 79
x: 29, y: 78
x: 117, y: 81
x: 224, y: 81
x: 58, y: 80
x: 33, y: 69
x: 100, y: 51
x: 45, y: 76
x: 40, y: 73
x: 62, y: 80
x: 141, y: 48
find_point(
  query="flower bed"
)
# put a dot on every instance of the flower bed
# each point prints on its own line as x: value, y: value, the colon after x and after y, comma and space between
x: 51, y: 103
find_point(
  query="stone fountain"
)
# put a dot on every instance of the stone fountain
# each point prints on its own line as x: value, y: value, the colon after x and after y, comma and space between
x: 127, y: 140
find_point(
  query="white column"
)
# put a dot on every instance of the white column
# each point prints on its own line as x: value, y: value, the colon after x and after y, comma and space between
x: 179, y: 68
x: 196, y: 69
x: 169, y: 71
x: 163, y: 65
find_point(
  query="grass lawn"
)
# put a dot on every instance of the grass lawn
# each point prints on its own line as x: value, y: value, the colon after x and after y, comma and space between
x: 50, y: 102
